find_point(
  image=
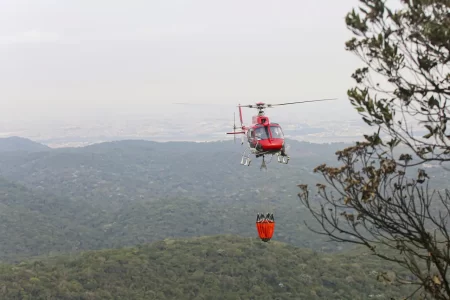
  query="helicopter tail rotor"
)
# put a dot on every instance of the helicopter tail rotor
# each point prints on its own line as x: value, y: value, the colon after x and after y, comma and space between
x: 234, y: 129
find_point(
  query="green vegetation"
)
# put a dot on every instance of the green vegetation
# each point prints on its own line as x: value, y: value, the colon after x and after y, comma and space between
x: 125, y: 193
x: 380, y: 196
x: 130, y: 192
x: 216, y: 267
x: 111, y: 195
x: 33, y: 223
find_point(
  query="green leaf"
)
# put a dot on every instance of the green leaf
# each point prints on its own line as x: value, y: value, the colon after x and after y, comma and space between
x: 432, y: 102
x: 428, y: 135
x: 367, y: 121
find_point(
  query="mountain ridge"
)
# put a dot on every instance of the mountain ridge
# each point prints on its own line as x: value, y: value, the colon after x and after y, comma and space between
x: 16, y: 143
x: 129, y: 192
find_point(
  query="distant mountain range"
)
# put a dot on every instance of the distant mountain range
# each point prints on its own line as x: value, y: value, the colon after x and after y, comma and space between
x: 196, y: 206
x: 123, y: 193
x: 11, y: 144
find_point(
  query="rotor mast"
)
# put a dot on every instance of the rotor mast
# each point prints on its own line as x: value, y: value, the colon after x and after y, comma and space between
x: 260, y: 106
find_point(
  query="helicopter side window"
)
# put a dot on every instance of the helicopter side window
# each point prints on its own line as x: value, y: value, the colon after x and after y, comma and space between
x: 276, y: 132
x: 250, y: 135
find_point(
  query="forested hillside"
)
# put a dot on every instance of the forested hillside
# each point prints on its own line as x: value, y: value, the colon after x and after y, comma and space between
x: 34, y: 223
x: 130, y: 192
x: 20, y: 144
x: 216, y: 267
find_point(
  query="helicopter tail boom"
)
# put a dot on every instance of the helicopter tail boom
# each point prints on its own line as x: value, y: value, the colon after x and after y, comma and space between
x: 240, y: 116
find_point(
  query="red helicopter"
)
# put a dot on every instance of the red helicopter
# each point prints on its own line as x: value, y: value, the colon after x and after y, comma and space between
x: 263, y: 137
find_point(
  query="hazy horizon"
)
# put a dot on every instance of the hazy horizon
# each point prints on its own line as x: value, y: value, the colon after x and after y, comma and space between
x: 75, y: 59
x: 76, y: 72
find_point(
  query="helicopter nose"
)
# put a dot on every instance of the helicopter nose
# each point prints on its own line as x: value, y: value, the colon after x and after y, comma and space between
x: 277, y: 143
x: 274, y: 144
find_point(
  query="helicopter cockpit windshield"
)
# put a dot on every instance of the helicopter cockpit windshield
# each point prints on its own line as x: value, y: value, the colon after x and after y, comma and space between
x: 277, y: 133
x: 261, y: 133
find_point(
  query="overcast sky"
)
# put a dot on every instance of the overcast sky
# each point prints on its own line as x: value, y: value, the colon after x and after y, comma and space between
x: 66, y: 57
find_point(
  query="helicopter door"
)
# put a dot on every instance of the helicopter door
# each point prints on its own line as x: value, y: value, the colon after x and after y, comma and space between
x: 251, y: 137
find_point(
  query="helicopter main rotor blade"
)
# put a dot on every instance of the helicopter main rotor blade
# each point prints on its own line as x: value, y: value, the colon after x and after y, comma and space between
x: 252, y: 105
x: 279, y: 104
x: 200, y: 104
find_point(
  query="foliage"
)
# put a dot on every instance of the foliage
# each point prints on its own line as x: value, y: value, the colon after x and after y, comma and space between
x: 407, y: 55
x: 130, y: 192
x: 102, y: 196
x: 376, y: 199
x: 377, y: 205
x: 217, y: 267
x: 33, y: 223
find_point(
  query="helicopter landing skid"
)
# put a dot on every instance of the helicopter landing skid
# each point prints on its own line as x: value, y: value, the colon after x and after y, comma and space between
x: 245, y: 160
x: 282, y: 159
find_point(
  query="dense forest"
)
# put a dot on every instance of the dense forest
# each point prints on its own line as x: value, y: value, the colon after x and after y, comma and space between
x: 56, y: 203
x: 128, y: 192
x: 215, y: 267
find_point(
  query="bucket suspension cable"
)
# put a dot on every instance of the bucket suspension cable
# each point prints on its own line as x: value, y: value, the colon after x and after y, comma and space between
x: 265, y: 222
x: 264, y: 163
